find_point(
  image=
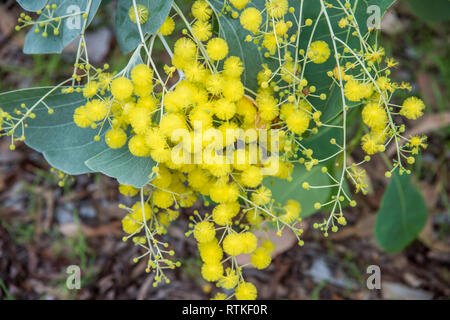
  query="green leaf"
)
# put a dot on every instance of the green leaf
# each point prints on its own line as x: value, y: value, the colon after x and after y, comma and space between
x: 431, y: 11
x: 127, y: 31
x: 402, y: 215
x: 320, y: 142
x: 32, y: 5
x: 69, y: 148
x: 283, y: 190
x: 64, y: 145
x: 69, y: 29
x: 123, y: 166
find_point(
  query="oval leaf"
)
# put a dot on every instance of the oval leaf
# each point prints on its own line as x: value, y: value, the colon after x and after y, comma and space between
x: 69, y: 148
x: 127, y: 31
x: 70, y: 27
x: 123, y: 166
x: 402, y: 215
x: 32, y: 5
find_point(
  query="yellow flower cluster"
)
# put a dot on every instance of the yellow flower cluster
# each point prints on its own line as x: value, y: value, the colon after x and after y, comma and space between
x: 375, y: 94
x: 185, y: 130
x: 4, y: 116
x: 185, y: 127
x: 213, y: 247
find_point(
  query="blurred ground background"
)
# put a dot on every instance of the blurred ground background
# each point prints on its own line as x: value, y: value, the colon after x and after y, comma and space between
x: 45, y: 228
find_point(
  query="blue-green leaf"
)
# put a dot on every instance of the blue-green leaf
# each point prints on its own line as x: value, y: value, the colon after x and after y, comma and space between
x: 123, y: 166
x: 67, y: 147
x: 402, y: 215
x: 69, y: 29
x: 32, y: 5
x: 63, y: 144
x: 127, y: 31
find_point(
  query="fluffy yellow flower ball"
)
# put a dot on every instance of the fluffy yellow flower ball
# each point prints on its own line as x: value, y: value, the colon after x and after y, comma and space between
x: 138, y: 214
x: 292, y: 212
x: 353, y: 90
x: 245, y: 291
x: 167, y: 27
x: 139, y: 119
x: 90, y: 89
x: 249, y: 242
x: 122, y: 88
x: 229, y: 280
x: 412, y: 108
x: 142, y: 14
x: 223, y: 213
x: 128, y: 191
x: 371, y: 143
x: 252, y: 177
x: 201, y: 10
x: 277, y: 8
x: 202, y: 30
x: 115, y: 138
x: 298, y: 122
x: 142, y: 75
x: 219, y: 169
x: 319, y: 52
x: 261, y: 196
x: 204, y: 232
x: 210, y: 252
x: 374, y: 115
x: 138, y: 147
x: 185, y: 48
x: 270, y: 43
x: 232, y: 244
x: 217, y: 49
x: 233, y: 67
x: 239, y: 4
x: 268, y: 109
x: 163, y: 199
x: 148, y: 103
x: 212, y: 271
x: 170, y: 123
x: 224, y: 109
x: 251, y: 19
x: 163, y: 178
x: 260, y: 259
x: 233, y: 89
x: 129, y: 225
x: 214, y: 84
x: 96, y: 110
x: 281, y: 28
x: 80, y: 117
x: 224, y: 192
x: 198, y: 178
